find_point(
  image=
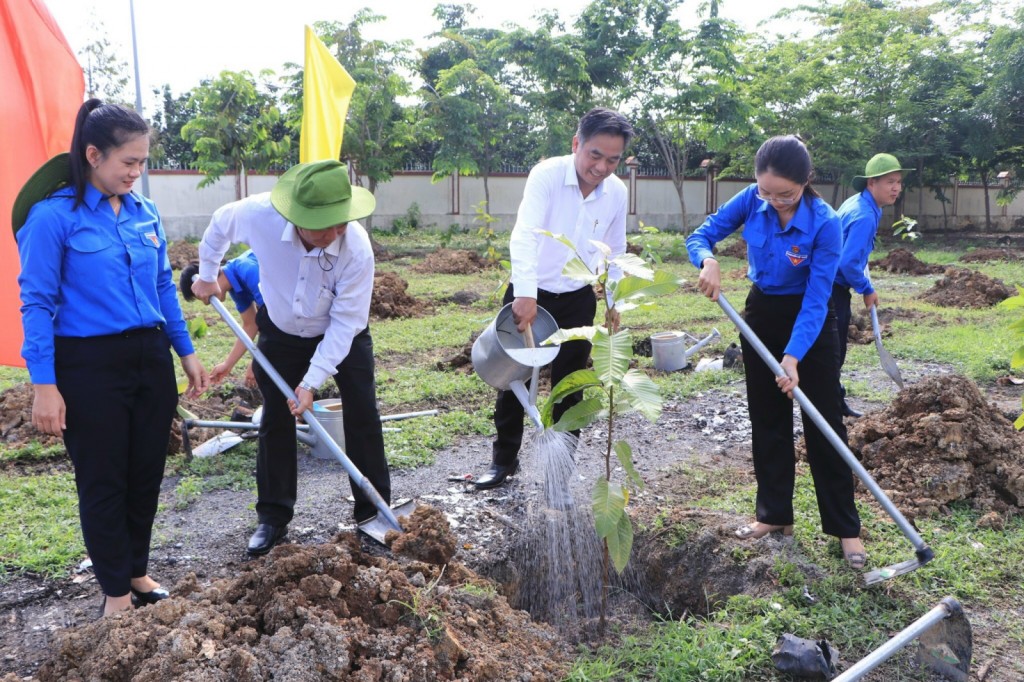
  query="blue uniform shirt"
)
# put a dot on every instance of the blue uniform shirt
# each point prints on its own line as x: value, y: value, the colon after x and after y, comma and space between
x: 243, y: 273
x: 87, y: 272
x: 860, y: 215
x: 799, y: 259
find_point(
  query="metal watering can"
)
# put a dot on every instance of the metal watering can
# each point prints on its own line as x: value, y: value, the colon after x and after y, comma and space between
x: 505, y: 358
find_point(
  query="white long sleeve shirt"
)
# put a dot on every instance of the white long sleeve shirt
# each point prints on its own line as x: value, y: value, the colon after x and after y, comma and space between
x: 553, y: 201
x: 307, y: 293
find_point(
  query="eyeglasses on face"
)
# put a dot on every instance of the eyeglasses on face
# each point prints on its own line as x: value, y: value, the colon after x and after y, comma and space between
x: 783, y: 199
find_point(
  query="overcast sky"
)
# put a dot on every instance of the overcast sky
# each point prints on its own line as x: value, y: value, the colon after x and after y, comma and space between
x: 181, y: 42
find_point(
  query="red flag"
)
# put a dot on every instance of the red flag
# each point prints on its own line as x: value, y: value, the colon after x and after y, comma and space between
x: 43, y: 88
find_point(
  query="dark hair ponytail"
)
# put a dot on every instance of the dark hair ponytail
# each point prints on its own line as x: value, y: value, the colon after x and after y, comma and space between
x: 104, y: 126
x: 787, y: 157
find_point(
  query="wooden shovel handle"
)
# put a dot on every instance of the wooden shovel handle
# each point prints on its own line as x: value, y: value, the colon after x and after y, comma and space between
x: 528, y: 335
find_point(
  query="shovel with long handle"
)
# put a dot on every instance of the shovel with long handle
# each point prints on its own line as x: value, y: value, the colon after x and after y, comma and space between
x: 923, y: 553
x: 888, y: 363
x: 321, y: 433
x: 945, y: 644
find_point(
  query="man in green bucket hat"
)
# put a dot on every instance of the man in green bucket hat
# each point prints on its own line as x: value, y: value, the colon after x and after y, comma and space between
x: 316, y: 277
x: 880, y: 186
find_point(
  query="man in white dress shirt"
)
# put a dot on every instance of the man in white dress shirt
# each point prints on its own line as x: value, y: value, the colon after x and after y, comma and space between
x: 316, y: 278
x: 580, y: 197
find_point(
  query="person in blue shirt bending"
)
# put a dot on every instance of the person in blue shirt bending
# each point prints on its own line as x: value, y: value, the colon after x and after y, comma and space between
x: 239, y: 278
x: 880, y: 186
x: 100, y: 316
x: 793, y: 244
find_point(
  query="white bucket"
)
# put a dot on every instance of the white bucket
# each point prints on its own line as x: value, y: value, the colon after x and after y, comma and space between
x: 668, y: 350
x: 328, y: 413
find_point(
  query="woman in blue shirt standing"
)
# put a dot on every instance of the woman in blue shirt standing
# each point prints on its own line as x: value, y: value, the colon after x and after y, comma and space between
x: 100, y: 314
x: 793, y: 244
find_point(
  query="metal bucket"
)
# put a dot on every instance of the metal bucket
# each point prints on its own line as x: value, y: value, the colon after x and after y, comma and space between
x: 328, y: 413
x: 668, y: 351
x: 501, y: 355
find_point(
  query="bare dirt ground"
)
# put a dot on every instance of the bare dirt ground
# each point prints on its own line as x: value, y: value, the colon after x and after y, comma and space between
x: 390, y: 298
x: 963, y: 288
x: 329, y: 604
x: 451, y: 262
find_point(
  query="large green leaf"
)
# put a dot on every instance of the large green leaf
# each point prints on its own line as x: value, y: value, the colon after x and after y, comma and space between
x: 577, y: 381
x: 1017, y: 361
x: 574, y: 334
x: 620, y: 543
x: 609, y: 503
x: 558, y: 237
x: 634, y: 265
x: 635, y: 287
x: 1014, y: 302
x: 581, y: 414
x: 625, y: 455
x: 577, y: 269
x: 642, y: 393
x: 611, y: 354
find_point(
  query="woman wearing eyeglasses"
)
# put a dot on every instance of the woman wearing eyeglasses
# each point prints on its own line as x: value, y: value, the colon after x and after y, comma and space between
x: 793, y: 241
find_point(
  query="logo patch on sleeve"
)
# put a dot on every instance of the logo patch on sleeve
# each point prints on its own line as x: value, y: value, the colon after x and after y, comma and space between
x: 795, y: 257
x: 151, y: 236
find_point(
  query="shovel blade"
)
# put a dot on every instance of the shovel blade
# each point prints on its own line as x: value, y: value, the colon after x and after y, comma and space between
x: 217, y: 444
x: 888, y: 363
x: 377, y: 527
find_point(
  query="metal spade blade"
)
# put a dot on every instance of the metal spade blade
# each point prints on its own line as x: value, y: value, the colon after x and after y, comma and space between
x: 888, y: 363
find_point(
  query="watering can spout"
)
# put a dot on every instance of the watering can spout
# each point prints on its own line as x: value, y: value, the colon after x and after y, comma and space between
x: 713, y: 336
x: 523, y: 394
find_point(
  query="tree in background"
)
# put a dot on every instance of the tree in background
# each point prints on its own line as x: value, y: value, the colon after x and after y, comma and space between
x: 237, y: 127
x: 171, y: 148
x: 106, y: 75
x: 468, y: 107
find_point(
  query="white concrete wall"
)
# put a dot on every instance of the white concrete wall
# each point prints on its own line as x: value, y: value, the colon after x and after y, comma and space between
x: 186, y: 209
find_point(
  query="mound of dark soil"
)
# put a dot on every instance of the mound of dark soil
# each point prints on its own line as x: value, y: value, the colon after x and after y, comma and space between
x: 324, y: 612
x: 451, y: 262
x: 427, y: 537
x: 182, y: 253
x: 989, y: 255
x: 902, y: 261
x: 963, y: 288
x: 390, y: 299
x: 940, y: 442
x: 736, y: 249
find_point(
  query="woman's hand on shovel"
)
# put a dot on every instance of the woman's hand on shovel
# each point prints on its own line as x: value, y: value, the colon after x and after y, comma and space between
x: 787, y: 383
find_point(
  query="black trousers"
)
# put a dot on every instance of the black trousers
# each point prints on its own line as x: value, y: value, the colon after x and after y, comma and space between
x: 771, y: 416
x: 276, y: 465
x: 571, y: 309
x: 120, y: 394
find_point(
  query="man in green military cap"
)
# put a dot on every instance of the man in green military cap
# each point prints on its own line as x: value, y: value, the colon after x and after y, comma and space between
x: 316, y: 277
x: 880, y: 186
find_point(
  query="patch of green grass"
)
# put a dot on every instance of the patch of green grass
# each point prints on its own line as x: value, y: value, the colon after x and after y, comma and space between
x: 32, y: 452
x: 445, y: 332
x: 39, y: 517
x: 420, y: 438
x: 417, y: 385
x: 232, y: 469
x: 12, y: 376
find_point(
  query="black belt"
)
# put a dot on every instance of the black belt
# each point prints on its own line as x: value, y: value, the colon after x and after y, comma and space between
x: 566, y: 294
x: 138, y: 331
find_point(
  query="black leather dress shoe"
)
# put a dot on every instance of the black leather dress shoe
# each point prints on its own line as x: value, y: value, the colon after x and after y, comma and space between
x: 265, y: 537
x: 147, y: 598
x: 496, y: 475
x: 850, y: 412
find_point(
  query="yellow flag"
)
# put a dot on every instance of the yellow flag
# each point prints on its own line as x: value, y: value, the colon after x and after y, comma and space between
x: 326, y: 91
